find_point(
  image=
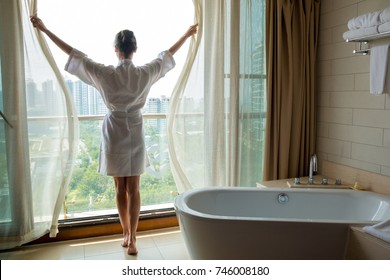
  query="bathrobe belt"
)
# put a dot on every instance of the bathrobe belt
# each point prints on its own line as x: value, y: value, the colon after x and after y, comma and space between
x: 123, y: 114
x: 125, y: 120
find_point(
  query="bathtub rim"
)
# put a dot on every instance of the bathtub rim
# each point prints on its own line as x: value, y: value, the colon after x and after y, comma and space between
x: 182, y: 208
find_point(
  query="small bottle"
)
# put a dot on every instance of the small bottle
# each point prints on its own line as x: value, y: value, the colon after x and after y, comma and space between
x: 358, y: 187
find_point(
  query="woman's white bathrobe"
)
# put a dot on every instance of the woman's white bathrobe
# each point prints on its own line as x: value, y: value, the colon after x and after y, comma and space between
x: 124, y: 89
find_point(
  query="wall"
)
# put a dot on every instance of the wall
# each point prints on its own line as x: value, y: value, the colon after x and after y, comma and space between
x: 353, y: 126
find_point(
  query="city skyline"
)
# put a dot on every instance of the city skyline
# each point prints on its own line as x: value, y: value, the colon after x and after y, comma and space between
x: 87, y: 99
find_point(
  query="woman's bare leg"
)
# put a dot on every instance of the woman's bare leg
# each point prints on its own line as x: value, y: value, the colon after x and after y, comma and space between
x: 132, y: 184
x: 122, y: 203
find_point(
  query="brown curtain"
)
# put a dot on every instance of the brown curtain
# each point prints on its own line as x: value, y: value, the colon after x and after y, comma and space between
x: 291, y: 40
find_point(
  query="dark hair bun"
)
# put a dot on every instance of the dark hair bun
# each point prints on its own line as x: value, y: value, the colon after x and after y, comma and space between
x: 126, y: 43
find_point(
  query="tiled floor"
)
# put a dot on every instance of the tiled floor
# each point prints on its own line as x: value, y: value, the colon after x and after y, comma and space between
x: 152, y: 245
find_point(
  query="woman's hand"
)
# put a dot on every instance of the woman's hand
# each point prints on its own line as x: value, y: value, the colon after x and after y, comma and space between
x: 192, y: 30
x: 38, y: 23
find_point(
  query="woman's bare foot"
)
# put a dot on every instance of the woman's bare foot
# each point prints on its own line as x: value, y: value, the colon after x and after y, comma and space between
x: 125, y: 242
x: 132, y: 249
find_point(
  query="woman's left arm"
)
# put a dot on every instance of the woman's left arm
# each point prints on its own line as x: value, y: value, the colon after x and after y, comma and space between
x: 190, y: 32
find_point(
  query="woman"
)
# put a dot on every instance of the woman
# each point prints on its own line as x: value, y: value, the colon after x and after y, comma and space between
x: 124, y: 89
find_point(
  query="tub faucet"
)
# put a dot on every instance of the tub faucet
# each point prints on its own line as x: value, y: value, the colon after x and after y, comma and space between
x: 312, y: 168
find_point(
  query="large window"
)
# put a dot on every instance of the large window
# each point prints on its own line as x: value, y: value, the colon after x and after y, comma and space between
x: 91, y: 26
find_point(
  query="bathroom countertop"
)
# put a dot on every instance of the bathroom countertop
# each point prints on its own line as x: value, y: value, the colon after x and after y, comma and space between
x: 282, y: 183
x: 287, y: 183
x: 273, y: 184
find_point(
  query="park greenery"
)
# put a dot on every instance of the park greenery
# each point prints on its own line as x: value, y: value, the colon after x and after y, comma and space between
x: 90, y: 191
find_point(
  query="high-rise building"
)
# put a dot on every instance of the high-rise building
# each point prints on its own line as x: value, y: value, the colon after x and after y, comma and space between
x: 99, y: 107
x: 81, y: 97
x: 153, y: 106
x: 32, y: 95
x: 50, y: 98
x: 35, y: 100
x: 164, y: 104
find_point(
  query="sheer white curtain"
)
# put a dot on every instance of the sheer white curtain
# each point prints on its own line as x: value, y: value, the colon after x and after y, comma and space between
x: 217, y: 110
x: 40, y: 142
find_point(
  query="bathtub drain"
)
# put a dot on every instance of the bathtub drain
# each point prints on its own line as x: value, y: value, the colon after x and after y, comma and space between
x: 282, y: 198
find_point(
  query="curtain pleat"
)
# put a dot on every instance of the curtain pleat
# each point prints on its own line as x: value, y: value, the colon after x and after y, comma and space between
x: 215, y: 124
x: 291, y: 89
x: 233, y: 160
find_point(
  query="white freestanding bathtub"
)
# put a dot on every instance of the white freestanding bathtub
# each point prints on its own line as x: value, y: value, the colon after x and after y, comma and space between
x: 276, y: 223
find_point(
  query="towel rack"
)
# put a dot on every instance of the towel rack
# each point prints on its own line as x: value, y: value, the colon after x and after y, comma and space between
x: 362, y: 50
x: 370, y: 37
x: 363, y: 42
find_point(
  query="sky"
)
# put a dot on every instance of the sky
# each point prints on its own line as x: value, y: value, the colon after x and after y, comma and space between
x: 91, y: 26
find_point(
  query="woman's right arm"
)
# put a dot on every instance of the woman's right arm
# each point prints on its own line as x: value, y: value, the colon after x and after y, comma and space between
x: 38, y: 23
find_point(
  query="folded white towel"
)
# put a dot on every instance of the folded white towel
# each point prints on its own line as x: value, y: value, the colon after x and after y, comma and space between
x: 384, y: 27
x: 385, y: 15
x: 378, y: 69
x: 380, y: 230
x: 361, y: 32
x: 366, y: 20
